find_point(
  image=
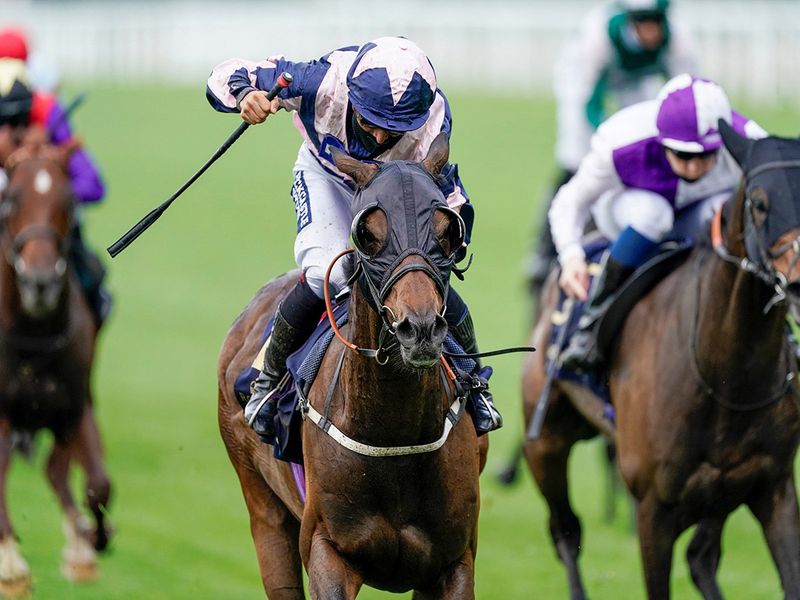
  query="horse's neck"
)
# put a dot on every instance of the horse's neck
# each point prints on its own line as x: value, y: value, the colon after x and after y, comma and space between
x: 386, y: 404
x: 738, y: 346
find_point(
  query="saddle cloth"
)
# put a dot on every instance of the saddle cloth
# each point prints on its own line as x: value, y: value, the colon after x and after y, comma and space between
x: 664, y: 260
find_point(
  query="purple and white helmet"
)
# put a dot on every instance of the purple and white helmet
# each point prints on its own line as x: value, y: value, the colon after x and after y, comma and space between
x: 392, y: 84
x: 689, y: 112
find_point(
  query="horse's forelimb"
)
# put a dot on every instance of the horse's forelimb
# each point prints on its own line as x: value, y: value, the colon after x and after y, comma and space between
x: 703, y: 555
x: 658, y: 530
x: 89, y: 452
x: 777, y: 512
x: 329, y: 576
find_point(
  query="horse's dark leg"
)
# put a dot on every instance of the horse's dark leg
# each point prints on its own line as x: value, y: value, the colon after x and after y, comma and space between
x: 703, y: 555
x: 275, y: 534
x: 658, y: 530
x: 457, y: 584
x: 79, y: 559
x: 329, y: 577
x: 612, y: 481
x: 15, y: 575
x: 89, y: 451
x: 776, y: 510
x: 547, y: 458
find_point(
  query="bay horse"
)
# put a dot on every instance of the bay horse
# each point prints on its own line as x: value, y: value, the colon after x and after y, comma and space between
x: 395, y: 504
x: 703, y: 382
x: 47, y: 340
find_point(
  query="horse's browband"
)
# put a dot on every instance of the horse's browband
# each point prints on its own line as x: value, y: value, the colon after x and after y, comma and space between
x: 769, y: 166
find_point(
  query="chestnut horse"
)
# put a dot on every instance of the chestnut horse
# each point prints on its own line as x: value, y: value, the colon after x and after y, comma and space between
x: 47, y: 339
x: 395, y: 505
x: 703, y: 384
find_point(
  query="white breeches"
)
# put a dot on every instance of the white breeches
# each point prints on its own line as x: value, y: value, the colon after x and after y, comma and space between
x: 322, y: 205
x: 651, y: 215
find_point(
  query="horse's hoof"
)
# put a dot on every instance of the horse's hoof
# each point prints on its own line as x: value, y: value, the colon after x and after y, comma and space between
x: 79, y: 572
x: 101, y: 537
x: 19, y: 587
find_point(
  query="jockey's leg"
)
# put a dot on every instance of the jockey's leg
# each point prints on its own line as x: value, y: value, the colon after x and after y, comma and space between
x: 91, y: 274
x: 322, y: 206
x: 487, y: 417
x: 295, y: 320
x: 645, y: 218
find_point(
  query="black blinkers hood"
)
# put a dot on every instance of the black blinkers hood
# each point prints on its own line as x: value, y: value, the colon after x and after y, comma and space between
x: 409, y: 196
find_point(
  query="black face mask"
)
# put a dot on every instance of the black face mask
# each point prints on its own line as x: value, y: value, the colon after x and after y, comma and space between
x: 369, y: 143
x: 409, y: 197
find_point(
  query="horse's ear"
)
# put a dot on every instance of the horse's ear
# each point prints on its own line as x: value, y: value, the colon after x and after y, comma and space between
x: 361, y: 172
x: 736, y: 144
x: 438, y: 154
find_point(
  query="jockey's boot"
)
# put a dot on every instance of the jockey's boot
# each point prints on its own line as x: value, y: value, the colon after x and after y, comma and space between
x: 582, y: 352
x: 295, y: 319
x: 487, y: 417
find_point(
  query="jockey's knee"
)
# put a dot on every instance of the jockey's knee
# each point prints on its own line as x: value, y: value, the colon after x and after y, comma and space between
x: 648, y: 213
x: 315, y: 278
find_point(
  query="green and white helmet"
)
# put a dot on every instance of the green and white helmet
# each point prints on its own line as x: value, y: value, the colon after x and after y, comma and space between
x: 645, y: 9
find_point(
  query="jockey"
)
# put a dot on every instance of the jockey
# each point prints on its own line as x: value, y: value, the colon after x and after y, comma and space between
x: 655, y: 169
x: 625, y: 51
x: 377, y: 102
x: 24, y: 112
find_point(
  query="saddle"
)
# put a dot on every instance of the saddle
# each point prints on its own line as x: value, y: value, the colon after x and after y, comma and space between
x: 304, y: 364
x: 666, y: 258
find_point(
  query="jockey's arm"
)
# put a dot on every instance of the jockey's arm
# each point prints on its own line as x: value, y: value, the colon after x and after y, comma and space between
x: 239, y: 85
x: 83, y: 173
x: 681, y: 56
x: 570, y: 211
x: 578, y: 71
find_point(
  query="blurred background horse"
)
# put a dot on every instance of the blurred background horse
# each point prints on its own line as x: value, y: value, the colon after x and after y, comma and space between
x: 47, y: 339
x: 704, y: 388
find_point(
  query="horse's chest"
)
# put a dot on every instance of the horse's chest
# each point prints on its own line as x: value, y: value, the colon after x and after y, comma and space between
x: 400, y: 533
x: 724, y: 479
x: 32, y: 397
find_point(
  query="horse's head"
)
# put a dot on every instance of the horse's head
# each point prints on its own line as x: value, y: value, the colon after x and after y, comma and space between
x: 406, y: 239
x: 36, y: 214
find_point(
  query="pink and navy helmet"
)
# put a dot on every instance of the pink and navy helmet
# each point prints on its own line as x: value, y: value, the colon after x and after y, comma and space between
x: 392, y: 84
x: 688, y: 114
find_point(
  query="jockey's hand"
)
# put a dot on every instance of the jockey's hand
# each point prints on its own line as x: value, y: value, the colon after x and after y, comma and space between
x: 255, y: 108
x: 574, y: 279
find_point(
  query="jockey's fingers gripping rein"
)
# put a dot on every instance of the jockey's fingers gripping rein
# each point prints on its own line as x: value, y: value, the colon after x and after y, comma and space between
x: 284, y: 80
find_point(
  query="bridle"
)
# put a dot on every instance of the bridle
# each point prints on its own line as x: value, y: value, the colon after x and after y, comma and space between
x: 761, y: 265
x: 388, y: 318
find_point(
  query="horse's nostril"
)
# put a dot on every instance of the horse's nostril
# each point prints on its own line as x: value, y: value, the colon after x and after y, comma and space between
x: 405, y: 332
x: 439, y: 330
x: 416, y: 329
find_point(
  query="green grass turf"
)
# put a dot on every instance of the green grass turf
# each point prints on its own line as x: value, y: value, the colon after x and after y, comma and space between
x: 181, y: 525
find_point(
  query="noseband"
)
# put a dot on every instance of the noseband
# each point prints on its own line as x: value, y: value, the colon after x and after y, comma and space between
x: 37, y: 231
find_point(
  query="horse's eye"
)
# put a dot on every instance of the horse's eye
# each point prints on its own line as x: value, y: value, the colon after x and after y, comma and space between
x: 369, y: 232
x: 760, y: 203
x: 448, y: 228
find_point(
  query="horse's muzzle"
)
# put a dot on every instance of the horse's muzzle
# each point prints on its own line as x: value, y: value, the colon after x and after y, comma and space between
x: 40, y: 289
x: 421, y: 338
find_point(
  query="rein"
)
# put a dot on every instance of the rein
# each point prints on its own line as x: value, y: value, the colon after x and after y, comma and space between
x: 772, y: 278
x: 708, y: 390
